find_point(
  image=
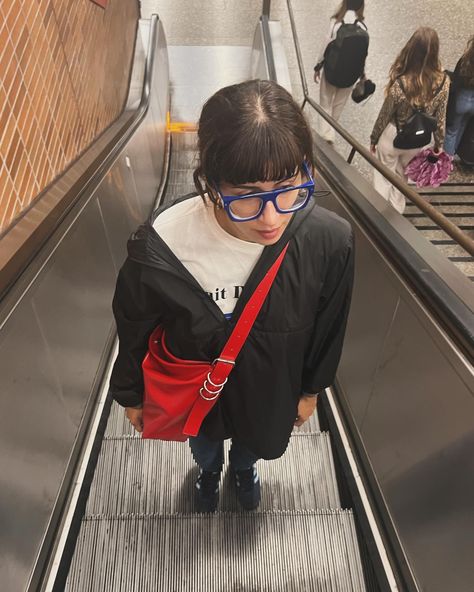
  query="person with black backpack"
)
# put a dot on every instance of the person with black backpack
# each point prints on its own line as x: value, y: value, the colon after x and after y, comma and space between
x: 342, y: 61
x: 413, y: 114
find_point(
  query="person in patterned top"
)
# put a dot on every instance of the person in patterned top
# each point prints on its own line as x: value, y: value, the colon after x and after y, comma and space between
x: 416, y: 81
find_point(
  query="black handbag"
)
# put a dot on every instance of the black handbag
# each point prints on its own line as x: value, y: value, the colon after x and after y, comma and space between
x: 362, y: 90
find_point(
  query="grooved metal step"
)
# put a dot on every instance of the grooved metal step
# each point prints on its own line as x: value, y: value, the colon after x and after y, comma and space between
x: 302, y: 551
x: 149, y: 476
x: 456, y: 203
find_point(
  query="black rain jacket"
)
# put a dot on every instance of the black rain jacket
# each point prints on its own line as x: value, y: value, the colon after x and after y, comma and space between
x: 293, y: 347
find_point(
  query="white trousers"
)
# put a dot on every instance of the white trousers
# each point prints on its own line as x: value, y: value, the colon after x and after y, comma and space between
x: 332, y: 100
x: 396, y: 160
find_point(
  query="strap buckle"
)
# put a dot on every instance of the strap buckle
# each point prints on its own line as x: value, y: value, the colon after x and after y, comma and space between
x: 224, y: 361
x: 210, y: 391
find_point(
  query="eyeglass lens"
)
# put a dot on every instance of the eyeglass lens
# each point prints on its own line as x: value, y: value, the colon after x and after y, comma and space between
x: 251, y: 206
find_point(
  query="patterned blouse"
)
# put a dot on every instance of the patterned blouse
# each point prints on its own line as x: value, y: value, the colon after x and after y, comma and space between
x: 397, y: 108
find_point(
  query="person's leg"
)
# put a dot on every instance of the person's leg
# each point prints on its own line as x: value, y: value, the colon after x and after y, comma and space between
x: 327, y: 93
x: 340, y: 99
x: 243, y: 466
x: 240, y: 457
x: 385, y: 152
x: 389, y: 156
x: 209, y: 456
x: 452, y: 133
x: 464, y: 112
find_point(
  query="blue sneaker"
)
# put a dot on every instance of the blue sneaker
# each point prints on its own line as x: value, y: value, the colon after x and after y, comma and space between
x: 247, y: 487
x: 207, y: 491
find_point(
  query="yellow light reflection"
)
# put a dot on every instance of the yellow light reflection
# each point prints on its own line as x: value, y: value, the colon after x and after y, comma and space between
x: 181, y: 126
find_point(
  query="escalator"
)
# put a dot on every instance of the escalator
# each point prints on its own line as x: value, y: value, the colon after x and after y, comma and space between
x: 117, y: 511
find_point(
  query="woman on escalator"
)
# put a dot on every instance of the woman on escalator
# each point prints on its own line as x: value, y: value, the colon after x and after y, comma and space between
x: 341, y: 62
x: 417, y: 84
x: 193, y: 267
x: 461, y: 100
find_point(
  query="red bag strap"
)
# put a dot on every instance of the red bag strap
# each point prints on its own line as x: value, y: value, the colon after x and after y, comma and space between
x: 249, y: 314
x: 224, y: 364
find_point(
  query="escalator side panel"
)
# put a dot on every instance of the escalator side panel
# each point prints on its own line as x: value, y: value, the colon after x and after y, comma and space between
x: 55, y: 330
x: 408, y: 391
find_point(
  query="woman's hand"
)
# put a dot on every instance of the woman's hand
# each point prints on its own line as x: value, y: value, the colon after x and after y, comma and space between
x: 135, y: 417
x: 306, y: 408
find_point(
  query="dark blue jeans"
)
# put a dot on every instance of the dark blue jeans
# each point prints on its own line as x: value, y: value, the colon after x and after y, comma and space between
x: 209, y: 455
x: 463, y: 111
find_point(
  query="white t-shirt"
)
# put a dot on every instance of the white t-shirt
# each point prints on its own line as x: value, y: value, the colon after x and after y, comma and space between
x: 220, y: 262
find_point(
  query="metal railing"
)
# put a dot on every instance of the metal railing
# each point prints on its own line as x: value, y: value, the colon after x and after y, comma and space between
x: 356, y: 147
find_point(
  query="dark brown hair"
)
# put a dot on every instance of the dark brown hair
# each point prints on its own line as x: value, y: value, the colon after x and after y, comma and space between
x: 249, y: 132
x: 419, y: 64
x: 467, y: 61
x: 356, y: 5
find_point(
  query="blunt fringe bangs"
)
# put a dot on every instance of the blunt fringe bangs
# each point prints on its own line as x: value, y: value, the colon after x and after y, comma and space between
x: 250, y: 132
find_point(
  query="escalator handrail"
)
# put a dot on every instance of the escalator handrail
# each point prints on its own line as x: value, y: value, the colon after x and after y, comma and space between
x: 267, y: 42
x: 26, y: 238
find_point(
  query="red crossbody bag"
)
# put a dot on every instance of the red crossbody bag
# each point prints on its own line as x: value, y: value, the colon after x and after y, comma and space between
x: 180, y: 393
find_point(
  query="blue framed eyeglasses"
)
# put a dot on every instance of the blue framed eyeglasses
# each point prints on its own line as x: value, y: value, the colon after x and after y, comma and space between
x: 242, y: 208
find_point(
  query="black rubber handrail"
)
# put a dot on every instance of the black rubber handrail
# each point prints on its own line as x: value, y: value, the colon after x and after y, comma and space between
x: 451, y: 229
x: 268, y: 48
x: 17, y: 252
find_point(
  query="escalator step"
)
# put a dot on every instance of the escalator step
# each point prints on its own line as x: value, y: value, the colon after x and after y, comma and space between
x: 135, y: 476
x: 267, y: 552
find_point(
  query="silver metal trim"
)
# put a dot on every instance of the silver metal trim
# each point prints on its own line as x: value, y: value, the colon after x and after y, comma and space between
x: 224, y: 361
x: 363, y: 495
x: 209, y: 398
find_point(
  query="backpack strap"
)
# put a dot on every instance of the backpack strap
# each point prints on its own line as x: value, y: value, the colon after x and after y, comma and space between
x: 361, y: 22
x: 437, y: 91
x: 400, y: 84
x: 440, y: 87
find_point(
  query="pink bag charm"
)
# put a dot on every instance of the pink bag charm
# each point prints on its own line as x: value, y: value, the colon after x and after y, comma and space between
x: 428, y: 169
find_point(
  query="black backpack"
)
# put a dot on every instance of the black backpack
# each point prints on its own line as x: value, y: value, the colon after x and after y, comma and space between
x: 344, y: 58
x: 419, y: 127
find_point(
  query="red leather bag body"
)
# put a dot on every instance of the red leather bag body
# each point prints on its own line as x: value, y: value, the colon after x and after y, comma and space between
x: 171, y: 387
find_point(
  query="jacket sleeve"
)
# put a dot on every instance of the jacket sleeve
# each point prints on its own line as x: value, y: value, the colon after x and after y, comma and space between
x: 440, y: 114
x: 136, y: 312
x: 387, y: 112
x: 323, y: 354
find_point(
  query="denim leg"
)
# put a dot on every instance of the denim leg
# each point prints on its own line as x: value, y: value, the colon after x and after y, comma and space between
x: 240, y: 457
x: 464, y: 109
x: 209, y: 455
x: 451, y: 139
